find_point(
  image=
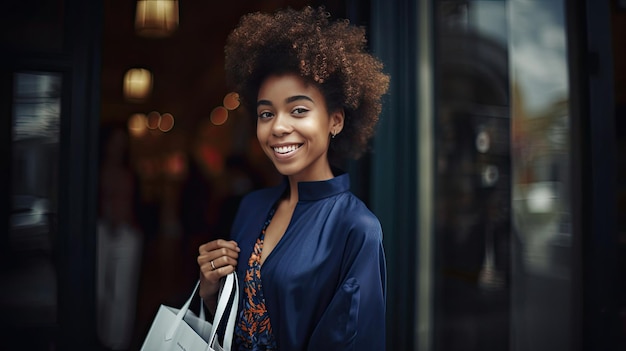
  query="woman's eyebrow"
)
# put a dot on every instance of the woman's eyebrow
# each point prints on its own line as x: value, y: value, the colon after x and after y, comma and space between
x: 298, y: 97
x: 287, y: 100
x: 263, y: 102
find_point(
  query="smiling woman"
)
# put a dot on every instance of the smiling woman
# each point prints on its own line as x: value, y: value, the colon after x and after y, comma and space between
x: 294, y: 127
x: 308, y: 252
x: 329, y: 55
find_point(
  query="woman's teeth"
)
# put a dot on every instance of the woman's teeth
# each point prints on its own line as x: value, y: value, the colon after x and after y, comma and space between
x: 286, y: 149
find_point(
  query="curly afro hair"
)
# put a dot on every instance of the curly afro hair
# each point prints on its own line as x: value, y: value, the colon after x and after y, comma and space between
x: 329, y: 54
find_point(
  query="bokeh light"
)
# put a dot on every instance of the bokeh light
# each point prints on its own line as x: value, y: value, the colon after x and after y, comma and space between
x: 153, y: 120
x: 167, y: 122
x: 137, y: 125
x: 231, y: 101
x: 219, y: 115
x: 137, y: 84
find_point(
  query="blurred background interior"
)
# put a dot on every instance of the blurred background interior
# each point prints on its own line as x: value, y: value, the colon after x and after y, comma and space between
x: 497, y: 171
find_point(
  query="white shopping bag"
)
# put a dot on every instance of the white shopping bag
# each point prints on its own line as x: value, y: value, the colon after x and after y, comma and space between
x: 182, y: 330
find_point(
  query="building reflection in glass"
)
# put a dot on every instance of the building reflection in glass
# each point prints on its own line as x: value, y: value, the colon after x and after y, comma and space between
x: 502, y: 128
x: 541, y: 284
x: 472, y: 198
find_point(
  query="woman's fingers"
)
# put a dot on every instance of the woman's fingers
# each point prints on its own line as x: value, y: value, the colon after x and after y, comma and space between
x: 216, y: 254
x: 216, y: 259
x: 210, y: 268
x: 223, y: 261
x: 213, y: 276
x: 218, y: 244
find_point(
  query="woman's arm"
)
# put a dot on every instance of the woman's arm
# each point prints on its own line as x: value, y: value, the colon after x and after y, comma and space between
x: 355, y: 318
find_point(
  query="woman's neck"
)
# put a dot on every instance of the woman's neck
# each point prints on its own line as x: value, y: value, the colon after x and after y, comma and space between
x: 320, y: 173
x: 292, y: 196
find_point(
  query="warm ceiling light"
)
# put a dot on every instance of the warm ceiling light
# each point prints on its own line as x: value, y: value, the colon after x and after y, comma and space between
x: 137, y: 84
x: 156, y: 18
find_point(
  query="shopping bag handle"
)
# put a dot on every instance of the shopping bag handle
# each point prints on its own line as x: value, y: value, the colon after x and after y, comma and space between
x: 224, y: 296
x: 232, y: 283
x: 179, y: 316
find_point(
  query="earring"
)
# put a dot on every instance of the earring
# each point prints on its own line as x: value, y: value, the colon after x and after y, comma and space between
x: 333, y: 134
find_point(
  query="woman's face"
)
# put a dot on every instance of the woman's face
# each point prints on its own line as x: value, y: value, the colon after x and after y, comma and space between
x: 294, y: 127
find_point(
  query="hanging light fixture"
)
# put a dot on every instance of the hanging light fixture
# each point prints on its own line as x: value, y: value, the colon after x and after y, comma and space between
x: 137, y: 84
x: 156, y: 18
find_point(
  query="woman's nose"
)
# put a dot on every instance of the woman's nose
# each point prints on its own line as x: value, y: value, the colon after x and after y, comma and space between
x: 281, y: 125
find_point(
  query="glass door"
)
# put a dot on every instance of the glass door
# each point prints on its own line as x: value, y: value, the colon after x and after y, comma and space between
x: 502, y: 197
x: 473, y: 180
x: 541, y: 284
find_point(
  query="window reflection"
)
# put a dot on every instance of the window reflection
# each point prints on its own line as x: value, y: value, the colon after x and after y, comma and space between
x: 502, y: 197
x: 30, y: 281
x: 541, y: 285
x: 473, y: 177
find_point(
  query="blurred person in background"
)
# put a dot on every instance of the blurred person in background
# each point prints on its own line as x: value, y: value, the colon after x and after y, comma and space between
x: 195, y: 205
x: 119, y: 245
x: 308, y: 252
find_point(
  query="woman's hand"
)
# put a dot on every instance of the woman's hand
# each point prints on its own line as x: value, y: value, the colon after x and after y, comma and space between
x: 216, y: 259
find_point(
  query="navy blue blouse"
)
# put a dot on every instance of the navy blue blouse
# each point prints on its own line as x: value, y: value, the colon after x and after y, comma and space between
x: 324, y: 282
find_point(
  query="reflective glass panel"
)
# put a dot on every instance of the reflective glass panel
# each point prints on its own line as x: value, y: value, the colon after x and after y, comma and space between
x: 503, y: 227
x: 542, y: 235
x: 473, y: 182
x: 29, y: 293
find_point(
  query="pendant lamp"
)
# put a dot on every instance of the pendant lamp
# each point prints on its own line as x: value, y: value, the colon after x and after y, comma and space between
x: 156, y: 18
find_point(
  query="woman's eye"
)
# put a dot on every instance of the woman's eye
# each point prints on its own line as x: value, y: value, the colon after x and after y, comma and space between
x: 265, y: 114
x: 300, y: 111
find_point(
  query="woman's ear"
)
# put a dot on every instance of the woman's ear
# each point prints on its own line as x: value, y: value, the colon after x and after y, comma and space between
x: 336, y: 121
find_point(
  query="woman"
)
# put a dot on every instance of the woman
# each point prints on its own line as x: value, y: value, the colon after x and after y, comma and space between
x: 308, y: 252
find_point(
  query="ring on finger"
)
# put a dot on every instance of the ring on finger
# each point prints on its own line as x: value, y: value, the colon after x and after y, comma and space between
x: 213, y: 265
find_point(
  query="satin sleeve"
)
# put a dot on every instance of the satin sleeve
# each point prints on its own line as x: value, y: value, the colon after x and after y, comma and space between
x: 355, y: 317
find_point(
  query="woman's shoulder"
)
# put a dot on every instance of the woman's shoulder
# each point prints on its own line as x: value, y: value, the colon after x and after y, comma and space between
x: 352, y: 204
x: 355, y: 215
